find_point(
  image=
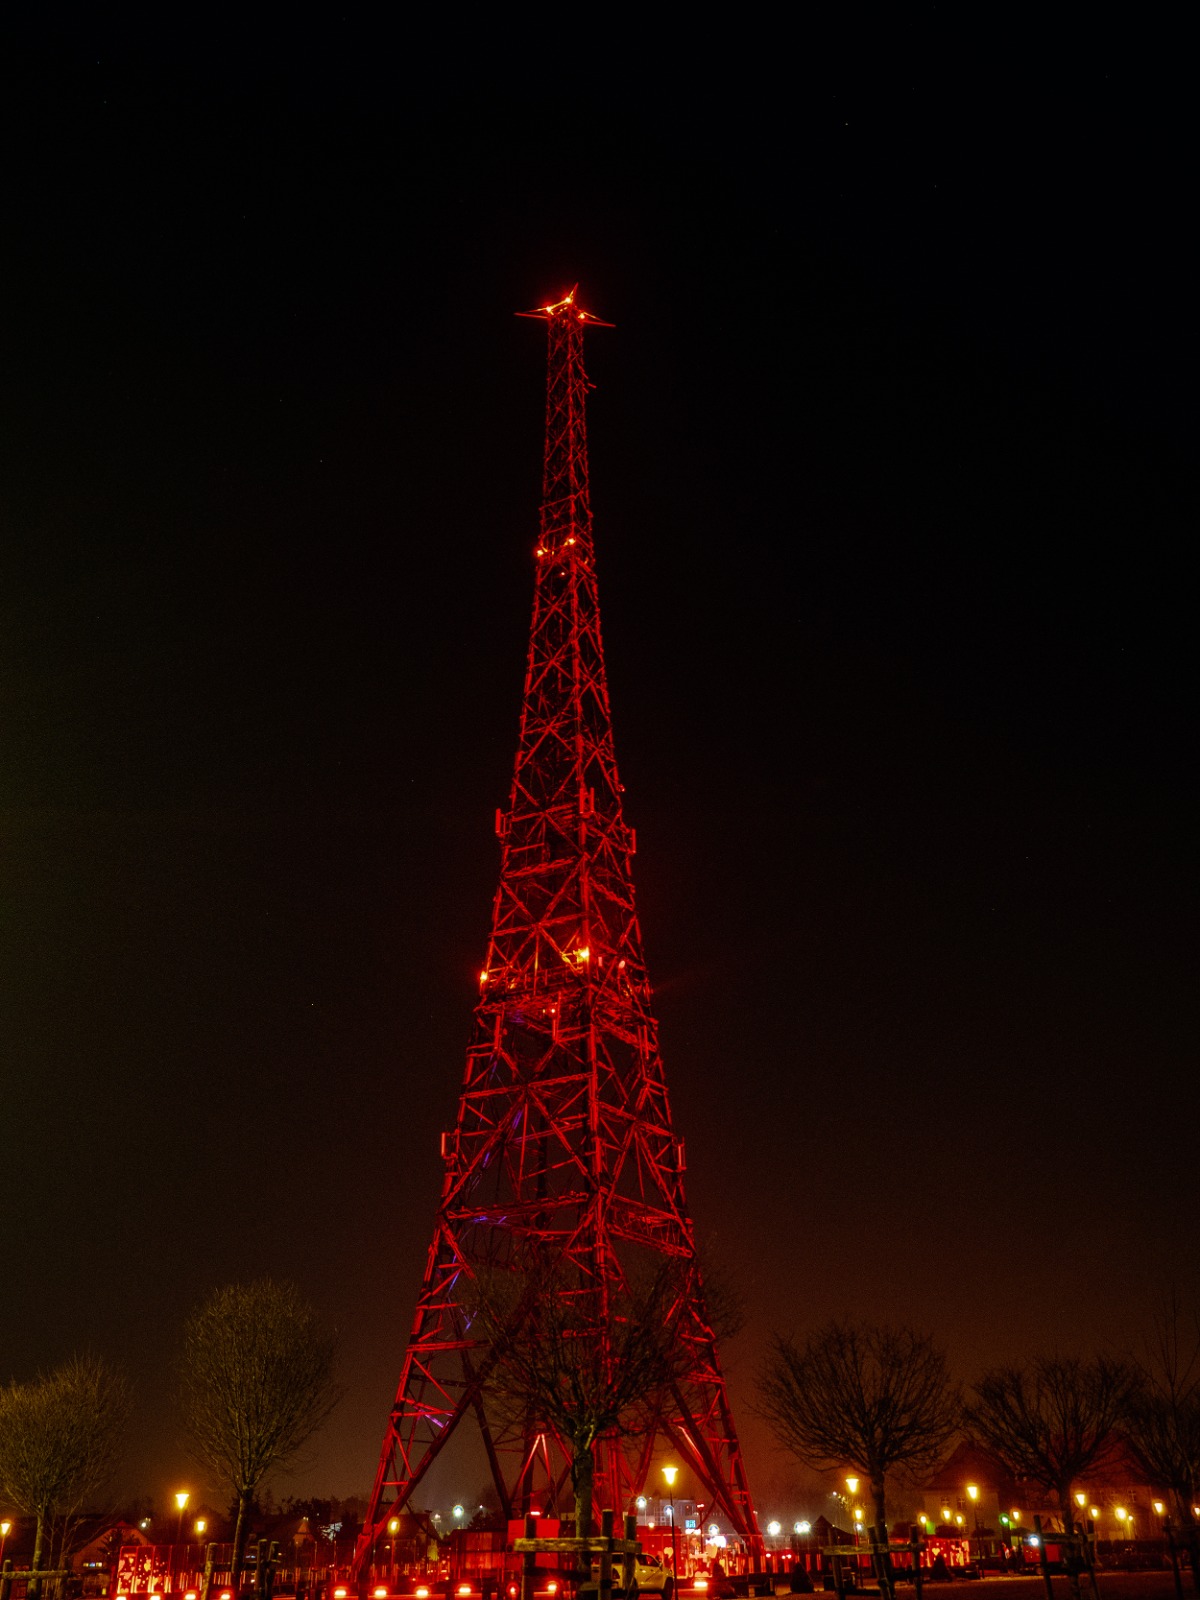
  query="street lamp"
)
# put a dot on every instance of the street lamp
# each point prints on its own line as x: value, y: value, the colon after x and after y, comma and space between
x: 393, y: 1530
x: 201, y: 1527
x: 973, y: 1497
x: 5, y: 1530
x: 670, y: 1474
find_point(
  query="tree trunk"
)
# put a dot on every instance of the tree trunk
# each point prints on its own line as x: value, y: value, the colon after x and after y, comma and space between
x: 39, y: 1545
x: 583, y: 1475
x: 1070, y: 1560
x: 39, y: 1541
x: 240, y: 1534
x: 877, y: 1486
x: 883, y: 1560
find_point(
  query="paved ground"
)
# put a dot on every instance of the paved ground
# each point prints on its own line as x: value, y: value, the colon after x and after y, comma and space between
x: 1112, y: 1586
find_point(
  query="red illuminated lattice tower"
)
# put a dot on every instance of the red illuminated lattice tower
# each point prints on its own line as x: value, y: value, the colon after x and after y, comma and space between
x: 563, y: 1153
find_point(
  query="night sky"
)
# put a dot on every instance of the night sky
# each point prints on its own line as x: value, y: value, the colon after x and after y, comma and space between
x: 893, y: 474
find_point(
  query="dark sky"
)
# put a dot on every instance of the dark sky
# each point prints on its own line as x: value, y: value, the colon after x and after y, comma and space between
x: 894, y: 483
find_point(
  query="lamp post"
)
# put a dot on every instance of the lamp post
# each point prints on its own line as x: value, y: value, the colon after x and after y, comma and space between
x: 393, y: 1530
x: 670, y: 1474
x: 852, y: 1486
x: 181, y: 1499
x: 5, y: 1530
x: 973, y: 1497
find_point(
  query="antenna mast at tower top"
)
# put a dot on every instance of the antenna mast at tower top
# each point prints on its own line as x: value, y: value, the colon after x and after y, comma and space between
x: 563, y: 1159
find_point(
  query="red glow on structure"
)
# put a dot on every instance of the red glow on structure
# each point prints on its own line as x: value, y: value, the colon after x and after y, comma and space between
x: 564, y: 1097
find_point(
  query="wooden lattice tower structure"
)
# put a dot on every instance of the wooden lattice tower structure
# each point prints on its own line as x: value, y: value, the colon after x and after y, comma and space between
x: 564, y: 1153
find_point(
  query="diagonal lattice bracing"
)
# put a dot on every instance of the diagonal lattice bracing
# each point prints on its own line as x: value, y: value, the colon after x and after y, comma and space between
x: 563, y: 1151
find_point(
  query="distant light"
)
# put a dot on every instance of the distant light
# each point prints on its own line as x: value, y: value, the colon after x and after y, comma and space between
x: 1159, y: 1508
x: 804, y: 1527
x: 774, y: 1529
x: 973, y: 1492
x: 713, y: 1529
x: 1095, y: 1512
x: 552, y: 1587
x: 1080, y: 1499
x: 1016, y: 1516
x: 339, y: 1593
x: 181, y: 1499
x: 422, y: 1593
x: 852, y: 1485
x: 394, y: 1526
x: 463, y: 1588
x: 1034, y: 1540
x: 381, y: 1592
x: 458, y: 1511
x: 641, y: 1502
x: 858, y: 1514
x: 700, y: 1584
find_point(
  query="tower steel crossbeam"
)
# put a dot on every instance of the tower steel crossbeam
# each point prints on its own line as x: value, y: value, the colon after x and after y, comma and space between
x: 563, y: 1153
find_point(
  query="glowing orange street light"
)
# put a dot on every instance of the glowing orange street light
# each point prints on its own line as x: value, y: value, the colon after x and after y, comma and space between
x: 181, y: 1499
x: 973, y: 1497
x: 670, y: 1474
x: 5, y: 1530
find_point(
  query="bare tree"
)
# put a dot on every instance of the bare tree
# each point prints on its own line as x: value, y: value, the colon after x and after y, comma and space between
x: 1163, y: 1417
x: 255, y: 1384
x: 1052, y: 1420
x: 875, y: 1398
x: 60, y: 1438
x: 582, y: 1365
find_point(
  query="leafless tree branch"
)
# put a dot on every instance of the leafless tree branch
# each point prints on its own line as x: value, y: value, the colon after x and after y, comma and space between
x: 875, y: 1398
